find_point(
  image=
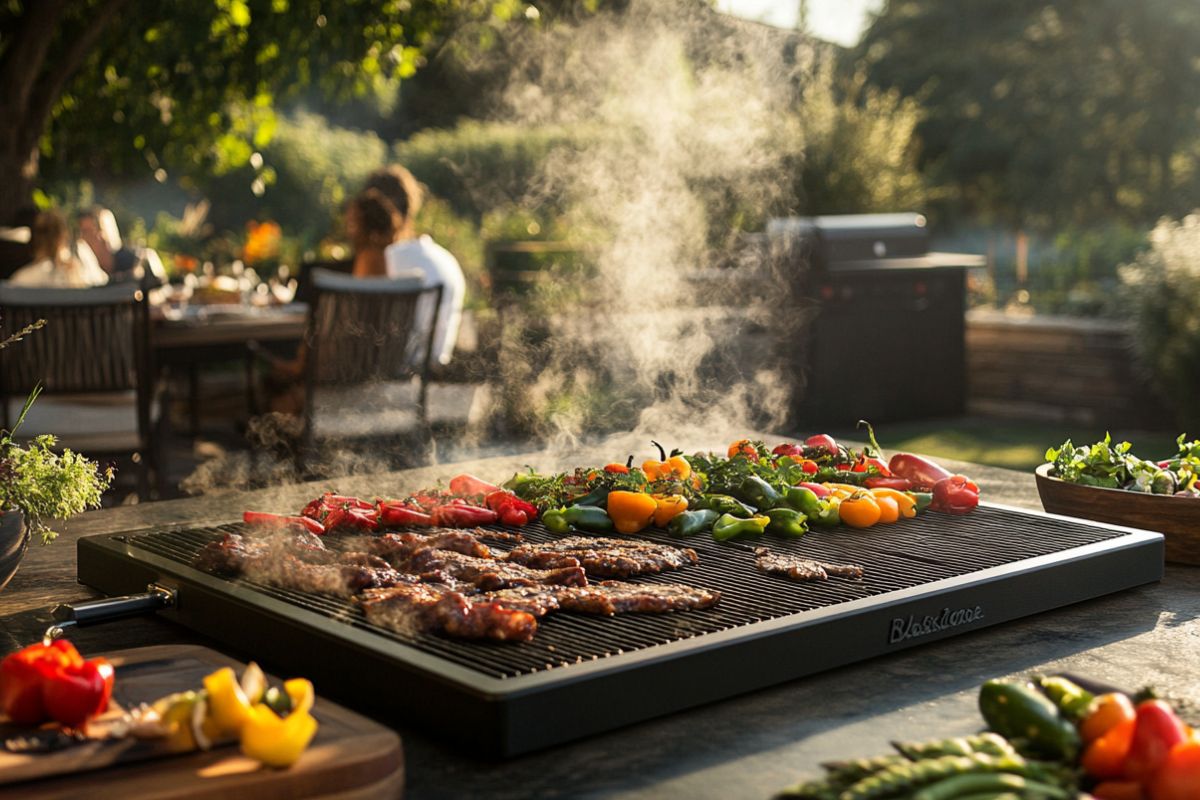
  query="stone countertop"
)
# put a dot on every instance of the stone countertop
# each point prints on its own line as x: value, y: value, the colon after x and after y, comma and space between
x: 749, y: 746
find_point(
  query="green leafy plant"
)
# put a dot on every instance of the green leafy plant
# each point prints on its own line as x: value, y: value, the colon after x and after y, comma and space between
x: 37, y: 481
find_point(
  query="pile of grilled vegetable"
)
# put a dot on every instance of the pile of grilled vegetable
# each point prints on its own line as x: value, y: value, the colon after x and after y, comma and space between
x: 749, y: 491
x: 1047, y: 738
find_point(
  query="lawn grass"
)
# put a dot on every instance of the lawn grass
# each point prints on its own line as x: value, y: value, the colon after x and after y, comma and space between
x: 1015, y: 444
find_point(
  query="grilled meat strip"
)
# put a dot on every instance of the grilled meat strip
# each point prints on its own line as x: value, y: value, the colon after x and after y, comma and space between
x: 603, y: 557
x: 487, y: 574
x: 432, y: 607
x: 290, y: 561
x: 615, y: 597
x: 396, y: 548
x: 802, y: 569
x: 536, y: 600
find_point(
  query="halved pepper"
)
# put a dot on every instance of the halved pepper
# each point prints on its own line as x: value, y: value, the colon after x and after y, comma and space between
x: 279, y: 742
x: 786, y: 522
x: 689, y: 523
x: 729, y: 526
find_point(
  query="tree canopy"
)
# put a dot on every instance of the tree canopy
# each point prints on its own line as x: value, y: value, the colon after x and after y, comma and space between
x: 1049, y: 112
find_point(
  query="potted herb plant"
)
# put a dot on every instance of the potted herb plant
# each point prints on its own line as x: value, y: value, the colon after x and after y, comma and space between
x: 38, y: 485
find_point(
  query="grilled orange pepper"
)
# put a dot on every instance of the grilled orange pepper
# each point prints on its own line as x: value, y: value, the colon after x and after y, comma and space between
x: 673, y: 467
x: 859, y: 510
x: 906, y: 503
x: 631, y: 511
x: 668, y: 507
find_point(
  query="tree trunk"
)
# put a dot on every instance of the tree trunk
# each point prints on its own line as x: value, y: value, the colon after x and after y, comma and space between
x: 18, y: 168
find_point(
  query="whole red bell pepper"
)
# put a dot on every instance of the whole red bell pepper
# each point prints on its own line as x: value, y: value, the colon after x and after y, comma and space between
x: 264, y: 520
x: 53, y: 681
x: 955, y: 495
x: 511, y: 509
x: 455, y: 515
x: 1155, y: 734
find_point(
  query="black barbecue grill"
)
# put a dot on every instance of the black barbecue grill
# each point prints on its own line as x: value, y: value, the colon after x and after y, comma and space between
x: 926, y: 579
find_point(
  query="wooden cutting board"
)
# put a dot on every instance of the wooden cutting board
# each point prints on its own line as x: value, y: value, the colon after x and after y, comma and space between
x: 350, y: 757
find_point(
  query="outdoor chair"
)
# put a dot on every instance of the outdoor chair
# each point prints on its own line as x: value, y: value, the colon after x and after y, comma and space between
x: 93, y: 361
x: 366, y: 354
x: 304, y: 275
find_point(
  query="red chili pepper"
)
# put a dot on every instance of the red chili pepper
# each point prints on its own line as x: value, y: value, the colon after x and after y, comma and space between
x: 392, y: 515
x: 470, y: 486
x: 462, y: 516
x: 1157, y: 731
x: 955, y: 495
x: 879, y: 466
x: 921, y: 471
x: 822, y: 441
x: 882, y: 482
x: 265, y: 520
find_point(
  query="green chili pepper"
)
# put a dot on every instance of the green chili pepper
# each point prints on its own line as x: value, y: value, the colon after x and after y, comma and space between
x: 724, y: 504
x: 786, y: 522
x: 832, y: 475
x: 689, y: 523
x: 803, y: 499
x: 596, y: 497
x: 589, y: 518
x: 1072, y: 700
x: 758, y: 493
x: 1018, y: 711
x: 555, y: 520
x: 729, y: 526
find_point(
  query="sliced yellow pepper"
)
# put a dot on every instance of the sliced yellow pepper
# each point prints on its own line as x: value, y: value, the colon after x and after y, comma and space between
x: 279, y: 742
x: 228, y: 705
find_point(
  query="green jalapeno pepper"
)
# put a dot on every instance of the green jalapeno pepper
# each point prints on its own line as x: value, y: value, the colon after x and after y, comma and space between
x: 729, y: 526
x: 758, y: 493
x: 588, y: 518
x: 786, y: 522
x: 724, y: 504
x: 689, y: 523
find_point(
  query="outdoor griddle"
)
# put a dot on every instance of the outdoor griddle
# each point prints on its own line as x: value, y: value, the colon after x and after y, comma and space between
x: 925, y: 579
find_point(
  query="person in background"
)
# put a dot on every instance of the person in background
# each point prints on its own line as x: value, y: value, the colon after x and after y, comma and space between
x: 371, y: 223
x: 54, y: 265
x: 100, y: 235
x: 409, y: 251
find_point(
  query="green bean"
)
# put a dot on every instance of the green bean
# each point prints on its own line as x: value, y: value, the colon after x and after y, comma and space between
x: 989, y: 743
x: 958, y: 785
x: 912, y: 774
x: 853, y: 770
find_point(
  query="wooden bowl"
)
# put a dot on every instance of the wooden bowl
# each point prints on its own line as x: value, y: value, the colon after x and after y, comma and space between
x: 1176, y: 518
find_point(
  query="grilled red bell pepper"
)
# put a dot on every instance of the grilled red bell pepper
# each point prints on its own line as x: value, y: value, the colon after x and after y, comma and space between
x: 53, y: 681
x: 955, y: 495
x: 469, y: 486
x: 264, y: 520
x: 353, y: 519
x: 461, y: 515
x: 320, y: 507
x: 888, y: 482
x: 511, y: 509
x: 921, y: 471
x: 398, y: 514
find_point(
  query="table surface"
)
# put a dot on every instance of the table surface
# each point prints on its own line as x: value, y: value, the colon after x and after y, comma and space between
x: 749, y: 746
x: 206, y: 326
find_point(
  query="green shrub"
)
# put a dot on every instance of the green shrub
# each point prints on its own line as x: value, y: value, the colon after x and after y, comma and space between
x: 1163, y: 290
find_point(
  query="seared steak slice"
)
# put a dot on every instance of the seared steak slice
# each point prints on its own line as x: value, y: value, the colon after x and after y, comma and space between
x: 802, y: 569
x: 433, y: 607
x: 488, y: 574
x: 397, y: 547
x: 604, y: 557
x: 614, y: 597
x: 536, y: 600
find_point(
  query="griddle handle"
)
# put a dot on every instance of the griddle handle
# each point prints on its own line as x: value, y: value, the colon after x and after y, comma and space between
x: 107, y: 609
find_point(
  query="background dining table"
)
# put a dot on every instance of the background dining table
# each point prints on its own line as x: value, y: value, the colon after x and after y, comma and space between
x: 748, y: 746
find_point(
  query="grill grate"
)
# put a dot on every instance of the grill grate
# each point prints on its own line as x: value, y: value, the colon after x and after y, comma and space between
x: 900, y: 556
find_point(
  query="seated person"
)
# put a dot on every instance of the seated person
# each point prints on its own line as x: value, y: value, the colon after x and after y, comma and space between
x: 409, y: 252
x: 14, y: 242
x: 54, y: 265
x: 98, y: 231
x: 371, y: 224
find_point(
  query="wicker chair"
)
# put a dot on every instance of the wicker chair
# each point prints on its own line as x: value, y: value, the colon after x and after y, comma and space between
x: 94, y: 364
x: 368, y: 345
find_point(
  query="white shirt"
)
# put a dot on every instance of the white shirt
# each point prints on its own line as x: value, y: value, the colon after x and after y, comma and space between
x: 46, y: 274
x: 440, y: 267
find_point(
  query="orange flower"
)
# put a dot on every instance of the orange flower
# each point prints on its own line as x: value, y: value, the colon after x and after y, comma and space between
x: 262, y: 241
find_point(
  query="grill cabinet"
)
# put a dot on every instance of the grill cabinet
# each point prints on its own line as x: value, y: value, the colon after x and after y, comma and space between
x: 925, y: 579
x: 883, y: 301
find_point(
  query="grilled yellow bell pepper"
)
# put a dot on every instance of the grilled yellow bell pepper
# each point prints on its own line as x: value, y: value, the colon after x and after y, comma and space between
x: 669, y: 507
x: 275, y: 741
x: 228, y: 705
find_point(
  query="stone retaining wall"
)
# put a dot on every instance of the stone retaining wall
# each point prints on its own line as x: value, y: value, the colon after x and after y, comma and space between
x: 1059, y: 369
